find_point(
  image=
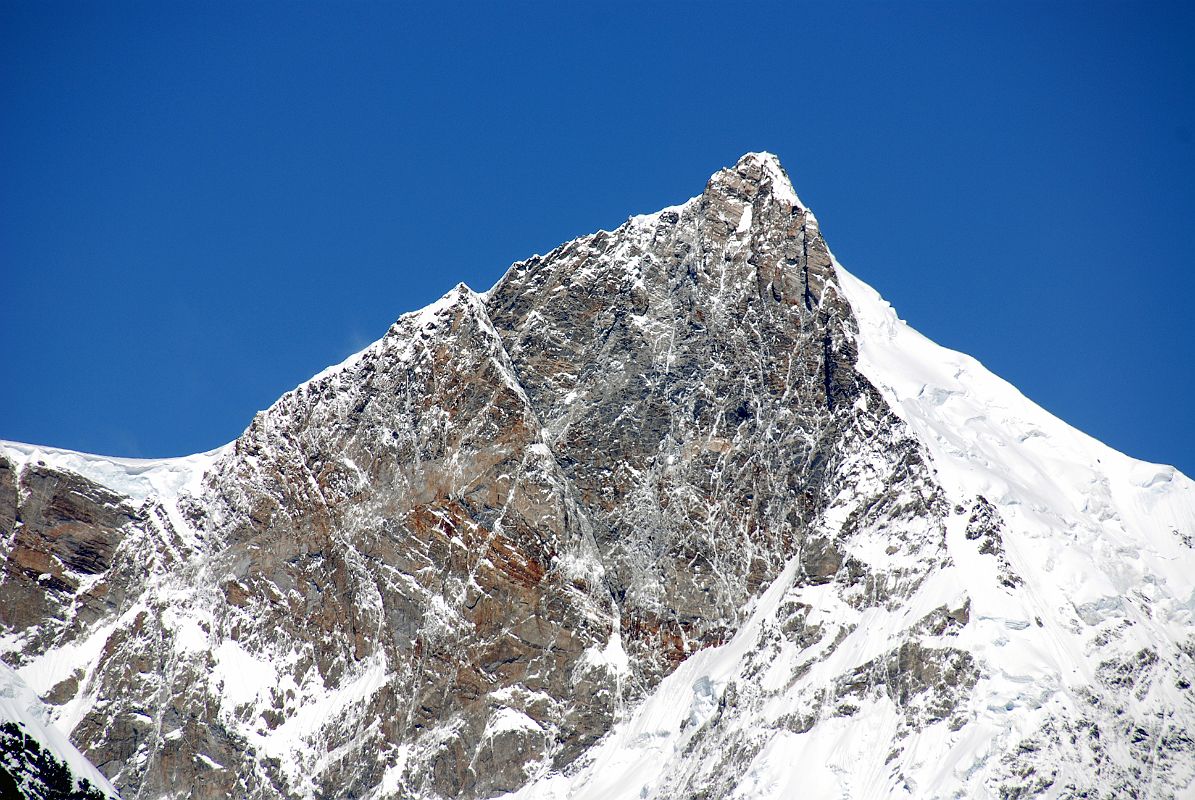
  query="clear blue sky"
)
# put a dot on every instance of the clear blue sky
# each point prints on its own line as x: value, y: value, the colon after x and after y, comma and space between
x: 203, y: 204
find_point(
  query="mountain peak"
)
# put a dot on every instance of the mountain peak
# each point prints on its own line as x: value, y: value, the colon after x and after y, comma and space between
x: 755, y: 173
x: 762, y: 159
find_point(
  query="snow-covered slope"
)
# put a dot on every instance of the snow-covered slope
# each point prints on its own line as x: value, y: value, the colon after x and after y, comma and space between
x: 677, y: 510
x: 34, y: 754
x: 1064, y: 490
x: 135, y: 478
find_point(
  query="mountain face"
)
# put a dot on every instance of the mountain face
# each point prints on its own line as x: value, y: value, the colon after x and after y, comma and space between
x: 680, y: 510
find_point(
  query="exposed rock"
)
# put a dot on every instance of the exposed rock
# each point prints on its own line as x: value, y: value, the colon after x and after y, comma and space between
x: 60, y: 533
x: 985, y: 526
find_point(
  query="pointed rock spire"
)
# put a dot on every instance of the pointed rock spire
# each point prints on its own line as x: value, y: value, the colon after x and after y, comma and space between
x: 753, y: 174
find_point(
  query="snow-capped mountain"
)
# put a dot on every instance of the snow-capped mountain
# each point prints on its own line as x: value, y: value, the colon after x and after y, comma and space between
x: 680, y: 510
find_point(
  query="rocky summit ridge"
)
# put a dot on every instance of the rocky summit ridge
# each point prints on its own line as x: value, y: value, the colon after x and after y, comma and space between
x: 678, y: 510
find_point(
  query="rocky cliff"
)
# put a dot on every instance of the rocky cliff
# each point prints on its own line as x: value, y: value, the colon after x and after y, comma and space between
x: 675, y: 510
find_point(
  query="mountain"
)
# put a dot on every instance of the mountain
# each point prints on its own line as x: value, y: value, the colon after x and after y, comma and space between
x: 679, y: 510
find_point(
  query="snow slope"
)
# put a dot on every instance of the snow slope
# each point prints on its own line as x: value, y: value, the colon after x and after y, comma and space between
x: 136, y: 478
x: 1075, y: 501
x: 19, y: 704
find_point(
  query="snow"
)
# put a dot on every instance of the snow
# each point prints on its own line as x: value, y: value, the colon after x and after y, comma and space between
x: 244, y: 676
x: 744, y: 221
x: 19, y: 703
x: 508, y: 720
x: 830, y: 758
x: 191, y: 629
x: 57, y: 664
x: 296, y: 743
x: 633, y: 759
x: 207, y: 762
x: 650, y: 220
x: 612, y: 657
x: 1088, y: 528
x: 782, y: 187
x: 137, y: 478
x: 1074, y: 499
x: 77, y: 659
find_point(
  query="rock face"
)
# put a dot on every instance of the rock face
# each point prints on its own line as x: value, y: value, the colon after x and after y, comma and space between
x: 648, y: 500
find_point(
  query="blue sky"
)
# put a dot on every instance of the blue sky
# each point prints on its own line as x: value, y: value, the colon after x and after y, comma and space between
x: 204, y: 204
